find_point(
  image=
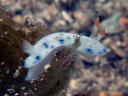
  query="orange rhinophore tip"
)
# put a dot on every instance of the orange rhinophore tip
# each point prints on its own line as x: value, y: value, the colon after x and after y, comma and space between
x: 97, y: 22
x: 102, y: 31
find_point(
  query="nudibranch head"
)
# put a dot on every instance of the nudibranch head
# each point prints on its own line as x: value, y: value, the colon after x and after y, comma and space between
x: 92, y: 46
x: 96, y: 48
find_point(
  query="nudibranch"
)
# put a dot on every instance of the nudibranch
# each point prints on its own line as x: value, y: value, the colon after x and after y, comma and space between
x: 39, y: 51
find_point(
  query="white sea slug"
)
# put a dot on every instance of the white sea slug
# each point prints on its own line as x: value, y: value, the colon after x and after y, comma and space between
x: 40, y: 50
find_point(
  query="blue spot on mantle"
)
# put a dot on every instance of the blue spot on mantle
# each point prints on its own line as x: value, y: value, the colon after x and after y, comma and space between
x: 89, y: 51
x: 38, y: 57
x: 104, y: 50
x: 61, y: 41
x: 46, y: 45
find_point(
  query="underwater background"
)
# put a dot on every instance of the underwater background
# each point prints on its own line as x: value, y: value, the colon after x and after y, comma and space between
x: 34, y: 19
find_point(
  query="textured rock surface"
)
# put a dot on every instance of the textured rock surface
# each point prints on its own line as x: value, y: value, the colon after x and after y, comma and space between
x: 12, y: 72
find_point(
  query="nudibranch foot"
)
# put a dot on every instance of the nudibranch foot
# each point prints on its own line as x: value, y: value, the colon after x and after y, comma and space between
x: 27, y: 47
x: 34, y: 72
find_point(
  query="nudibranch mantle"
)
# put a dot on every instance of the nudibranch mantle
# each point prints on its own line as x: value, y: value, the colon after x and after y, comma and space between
x: 38, y: 51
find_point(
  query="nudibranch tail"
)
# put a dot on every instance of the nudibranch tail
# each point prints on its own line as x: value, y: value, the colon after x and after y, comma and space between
x: 34, y: 72
x: 27, y: 47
